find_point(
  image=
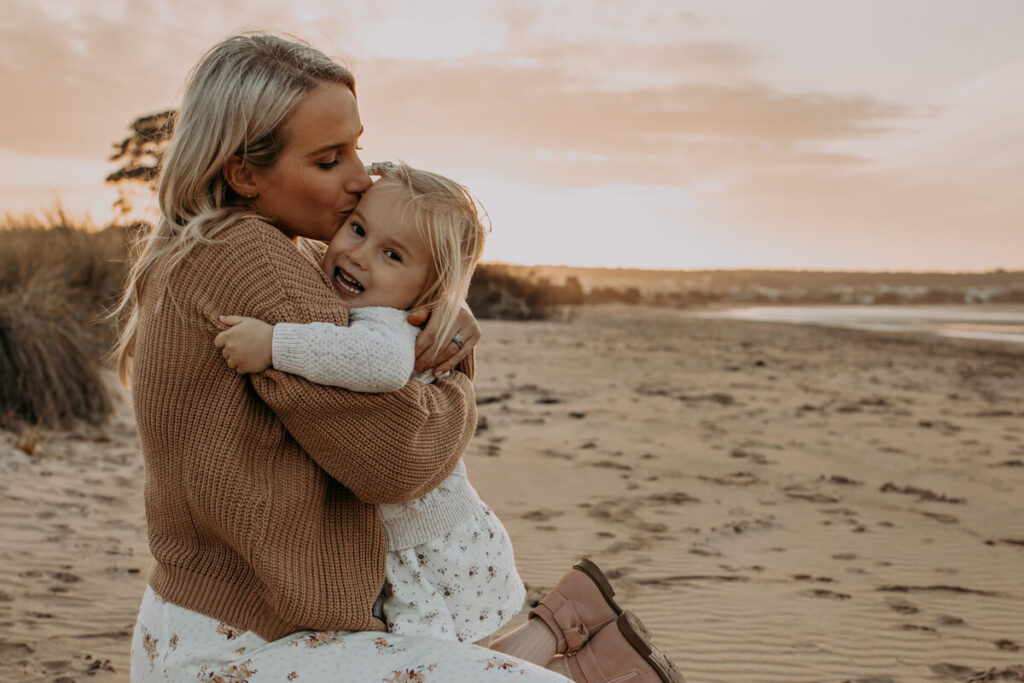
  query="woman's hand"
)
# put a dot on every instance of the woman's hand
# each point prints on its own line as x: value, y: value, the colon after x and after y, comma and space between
x: 247, y: 345
x: 449, y: 353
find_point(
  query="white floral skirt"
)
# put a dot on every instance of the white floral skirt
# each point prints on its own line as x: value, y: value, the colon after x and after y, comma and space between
x: 174, y: 644
x: 462, y: 586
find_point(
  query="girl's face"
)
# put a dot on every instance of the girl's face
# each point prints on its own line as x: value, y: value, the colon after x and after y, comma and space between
x: 378, y: 257
x: 317, y: 179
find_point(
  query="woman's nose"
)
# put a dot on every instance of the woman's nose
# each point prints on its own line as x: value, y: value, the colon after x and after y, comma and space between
x: 357, y: 180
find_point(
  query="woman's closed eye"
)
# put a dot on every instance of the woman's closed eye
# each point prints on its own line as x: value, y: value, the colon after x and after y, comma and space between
x: 328, y: 165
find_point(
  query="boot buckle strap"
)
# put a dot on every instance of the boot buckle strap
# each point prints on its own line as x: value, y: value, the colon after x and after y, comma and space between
x: 573, y: 629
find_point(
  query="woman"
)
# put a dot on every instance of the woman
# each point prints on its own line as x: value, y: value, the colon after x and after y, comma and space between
x: 261, y: 492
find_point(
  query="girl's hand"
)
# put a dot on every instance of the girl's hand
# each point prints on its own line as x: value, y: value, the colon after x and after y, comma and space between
x: 247, y: 345
x: 448, y: 352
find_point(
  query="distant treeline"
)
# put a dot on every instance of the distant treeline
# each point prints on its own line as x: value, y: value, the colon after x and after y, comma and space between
x: 539, y: 288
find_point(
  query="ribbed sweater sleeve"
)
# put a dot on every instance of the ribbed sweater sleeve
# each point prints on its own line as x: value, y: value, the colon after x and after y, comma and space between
x: 385, y: 448
x: 374, y: 354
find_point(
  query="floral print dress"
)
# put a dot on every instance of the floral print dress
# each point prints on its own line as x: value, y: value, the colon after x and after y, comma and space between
x: 461, y: 584
x: 174, y: 644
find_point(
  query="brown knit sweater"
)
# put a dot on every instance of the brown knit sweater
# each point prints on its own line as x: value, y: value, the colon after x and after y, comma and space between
x: 261, y: 490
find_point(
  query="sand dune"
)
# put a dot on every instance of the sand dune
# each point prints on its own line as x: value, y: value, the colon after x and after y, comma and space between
x: 778, y: 503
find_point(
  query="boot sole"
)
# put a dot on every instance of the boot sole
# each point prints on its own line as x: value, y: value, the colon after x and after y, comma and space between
x: 595, y: 574
x: 637, y: 635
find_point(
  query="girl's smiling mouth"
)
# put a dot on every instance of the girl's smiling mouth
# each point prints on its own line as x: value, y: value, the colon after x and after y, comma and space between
x: 346, y: 283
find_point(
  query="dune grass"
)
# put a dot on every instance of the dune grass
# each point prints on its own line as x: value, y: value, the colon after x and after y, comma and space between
x: 57, y: 280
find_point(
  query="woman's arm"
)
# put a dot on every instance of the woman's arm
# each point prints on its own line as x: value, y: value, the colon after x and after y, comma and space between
x: 446, y: 354
x: 386, y: 448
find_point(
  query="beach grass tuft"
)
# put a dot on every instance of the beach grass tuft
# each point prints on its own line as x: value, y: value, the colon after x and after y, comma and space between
x: 58, y: 278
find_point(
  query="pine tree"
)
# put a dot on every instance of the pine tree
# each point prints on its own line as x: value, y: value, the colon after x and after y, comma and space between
x: 141, y: 154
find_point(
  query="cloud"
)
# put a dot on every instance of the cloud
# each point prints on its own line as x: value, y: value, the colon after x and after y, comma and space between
x: 537, y: 118
x: 75, y: 82
x: 604, y: 93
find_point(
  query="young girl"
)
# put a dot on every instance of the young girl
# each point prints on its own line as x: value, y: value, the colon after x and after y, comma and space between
x: 411, y: 243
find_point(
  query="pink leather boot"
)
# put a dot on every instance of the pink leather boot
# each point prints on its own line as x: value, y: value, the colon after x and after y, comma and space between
x: 578, y: 607
x: 622, y: 653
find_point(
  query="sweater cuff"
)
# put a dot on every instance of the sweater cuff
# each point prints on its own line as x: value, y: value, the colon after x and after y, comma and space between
x: 288, y: 347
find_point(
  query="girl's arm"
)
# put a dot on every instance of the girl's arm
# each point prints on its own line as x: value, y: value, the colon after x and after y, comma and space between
x: 374, y: 354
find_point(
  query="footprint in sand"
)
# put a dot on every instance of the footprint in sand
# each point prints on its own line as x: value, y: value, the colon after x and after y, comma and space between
x: 801, y: 492
x: 825, y: 593
x: 608, y: 464
x: 940, y: 517
x: 542, y: 515
x: 65, y: 577
x: 840, y: 480
x: 552, y: 453
x: 734, y: 479
x: 808, y: 577
x: 673, y: 498
x: 922, y: 494
x: 752, y: 456
x: 902, y: 606
x: 1007, y: 541
x: 1010, y: 463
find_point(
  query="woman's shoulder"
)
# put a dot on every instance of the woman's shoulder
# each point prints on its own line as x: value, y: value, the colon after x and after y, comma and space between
x: 252, y: 233
x: 248, y: 247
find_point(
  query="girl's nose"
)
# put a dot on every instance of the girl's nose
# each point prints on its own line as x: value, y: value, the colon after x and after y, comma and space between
x: 357, y: 256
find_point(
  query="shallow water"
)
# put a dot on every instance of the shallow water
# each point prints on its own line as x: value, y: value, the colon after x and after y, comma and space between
x: 1003, y: 323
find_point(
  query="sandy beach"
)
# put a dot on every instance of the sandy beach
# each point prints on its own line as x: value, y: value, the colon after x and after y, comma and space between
x: 777, y: 502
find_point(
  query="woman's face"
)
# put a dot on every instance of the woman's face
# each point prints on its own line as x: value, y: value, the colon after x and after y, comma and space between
x: 318, y: 177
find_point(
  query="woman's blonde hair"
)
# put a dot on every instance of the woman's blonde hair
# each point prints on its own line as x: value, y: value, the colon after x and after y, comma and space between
x: 452, y: 223
x: 236, y: 102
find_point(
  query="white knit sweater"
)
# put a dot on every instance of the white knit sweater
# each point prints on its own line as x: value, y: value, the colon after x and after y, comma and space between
x: 376, y: 354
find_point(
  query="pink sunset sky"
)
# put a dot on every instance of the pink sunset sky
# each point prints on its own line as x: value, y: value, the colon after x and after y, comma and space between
x: 799, y: 134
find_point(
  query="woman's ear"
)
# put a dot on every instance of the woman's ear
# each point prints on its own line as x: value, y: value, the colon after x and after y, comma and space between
x: 239, y: 176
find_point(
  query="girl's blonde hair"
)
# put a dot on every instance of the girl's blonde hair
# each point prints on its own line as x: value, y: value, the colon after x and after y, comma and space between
x: 236, y: 102
x: 452, y: 223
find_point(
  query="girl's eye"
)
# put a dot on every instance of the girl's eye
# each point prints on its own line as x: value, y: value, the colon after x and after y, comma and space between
x: 327, y: 165
x: 393, y: 255
x: 358, y: 229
